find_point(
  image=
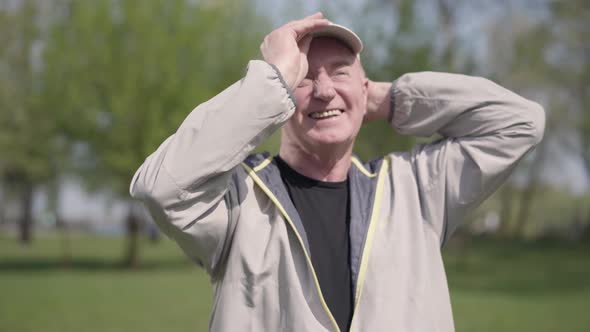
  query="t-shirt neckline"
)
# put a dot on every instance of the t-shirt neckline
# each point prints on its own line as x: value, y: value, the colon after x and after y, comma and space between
x: 300, y: 178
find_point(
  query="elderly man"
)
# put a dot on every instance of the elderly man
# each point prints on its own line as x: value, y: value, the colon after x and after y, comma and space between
x: 313, y: 239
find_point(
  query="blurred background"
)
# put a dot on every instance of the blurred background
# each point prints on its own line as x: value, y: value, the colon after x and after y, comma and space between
x: 88, y: 89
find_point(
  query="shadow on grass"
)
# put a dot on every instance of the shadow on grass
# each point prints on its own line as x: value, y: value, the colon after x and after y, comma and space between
x: 89, y: 264
x: 522, y: 268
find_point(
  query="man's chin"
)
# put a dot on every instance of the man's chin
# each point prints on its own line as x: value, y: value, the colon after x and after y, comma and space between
x: 329, y: 141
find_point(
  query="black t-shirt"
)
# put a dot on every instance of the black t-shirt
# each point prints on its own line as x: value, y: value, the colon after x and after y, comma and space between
x: 324, y: 211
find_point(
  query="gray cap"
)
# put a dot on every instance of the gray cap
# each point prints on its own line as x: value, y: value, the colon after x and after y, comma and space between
x: 341, y: 33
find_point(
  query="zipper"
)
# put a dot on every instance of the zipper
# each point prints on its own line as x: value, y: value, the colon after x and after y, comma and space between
x: 369, y: 238
x: 272, y: 197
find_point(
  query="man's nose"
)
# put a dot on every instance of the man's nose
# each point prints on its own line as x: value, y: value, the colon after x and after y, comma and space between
x: 323, y: 87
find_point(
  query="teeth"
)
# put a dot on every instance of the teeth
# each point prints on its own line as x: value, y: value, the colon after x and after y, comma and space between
x: 325, y: 114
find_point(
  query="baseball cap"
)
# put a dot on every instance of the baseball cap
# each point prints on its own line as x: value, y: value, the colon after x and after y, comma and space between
x: 341, y: 33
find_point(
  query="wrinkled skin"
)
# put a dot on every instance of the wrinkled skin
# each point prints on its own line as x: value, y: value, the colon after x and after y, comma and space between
x: 335, y: 80
x: 324, y: 74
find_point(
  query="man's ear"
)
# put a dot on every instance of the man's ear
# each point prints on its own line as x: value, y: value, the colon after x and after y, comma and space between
x: 365, y: 84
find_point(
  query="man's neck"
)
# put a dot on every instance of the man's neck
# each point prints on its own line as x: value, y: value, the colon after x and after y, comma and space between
x: 329, y: 165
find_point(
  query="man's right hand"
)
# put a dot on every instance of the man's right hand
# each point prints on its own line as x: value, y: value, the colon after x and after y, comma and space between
x: 287, y: 47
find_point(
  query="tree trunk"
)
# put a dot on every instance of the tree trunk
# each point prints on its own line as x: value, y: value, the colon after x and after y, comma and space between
x: 60, y: 225
x: 526, y: 201
x: 153, y: 233
x: 132, y: 226
x: 66, y: 244
x: 2, y: 205
x: 26, y: 224
x: 529, y: 192
x: 506, y: 208
x: 586, y: 234
x: 447, y: 25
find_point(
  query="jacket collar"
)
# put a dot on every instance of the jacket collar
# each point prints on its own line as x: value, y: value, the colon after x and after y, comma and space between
x: 363, y: 181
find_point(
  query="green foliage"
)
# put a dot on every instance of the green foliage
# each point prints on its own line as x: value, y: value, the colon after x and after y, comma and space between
x: 404, y: 45
x: 571, y: 21
x: 548, y: 60
x: 29, y: 140
x: 125, y: 74
x: 553, y: 213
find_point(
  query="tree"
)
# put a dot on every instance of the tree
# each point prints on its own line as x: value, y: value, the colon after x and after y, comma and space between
x: 127, y: 73
x: 392, y: 49
x: 573, y: 63
x: 29, y: 138
x: 546, y: 57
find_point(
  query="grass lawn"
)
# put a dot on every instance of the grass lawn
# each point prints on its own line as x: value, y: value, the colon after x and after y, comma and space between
x: 495, y: 286
x: 502, y: 286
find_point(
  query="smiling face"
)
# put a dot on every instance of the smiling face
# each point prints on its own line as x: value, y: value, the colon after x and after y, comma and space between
x: 331, y: 100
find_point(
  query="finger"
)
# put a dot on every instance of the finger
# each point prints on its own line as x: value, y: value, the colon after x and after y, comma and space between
x: 315, y: 15
x: 304, y: 27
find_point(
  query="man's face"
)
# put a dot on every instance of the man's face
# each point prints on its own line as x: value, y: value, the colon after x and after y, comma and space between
x: 331, y: 100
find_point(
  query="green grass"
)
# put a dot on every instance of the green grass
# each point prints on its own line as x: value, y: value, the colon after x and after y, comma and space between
x: 504, y: 286
x: 95, y: 293
x: 495, y: 286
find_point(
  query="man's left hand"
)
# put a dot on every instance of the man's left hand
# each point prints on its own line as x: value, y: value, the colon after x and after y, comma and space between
x: 378, y: 101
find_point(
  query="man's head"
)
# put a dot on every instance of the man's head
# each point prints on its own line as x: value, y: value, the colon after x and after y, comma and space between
x: 331, y: 100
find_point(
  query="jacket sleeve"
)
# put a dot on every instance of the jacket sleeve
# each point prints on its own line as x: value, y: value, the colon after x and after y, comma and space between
x: 185, y: 182
x: 486, y: 130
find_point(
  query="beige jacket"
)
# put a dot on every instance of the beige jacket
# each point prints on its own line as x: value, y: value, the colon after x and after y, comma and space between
x: 231, y: 213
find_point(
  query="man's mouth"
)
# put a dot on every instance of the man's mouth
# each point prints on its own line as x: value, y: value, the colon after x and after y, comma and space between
x: 325, y: 114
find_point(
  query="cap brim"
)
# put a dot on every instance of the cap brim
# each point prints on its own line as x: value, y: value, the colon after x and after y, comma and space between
x: 341, y: 33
